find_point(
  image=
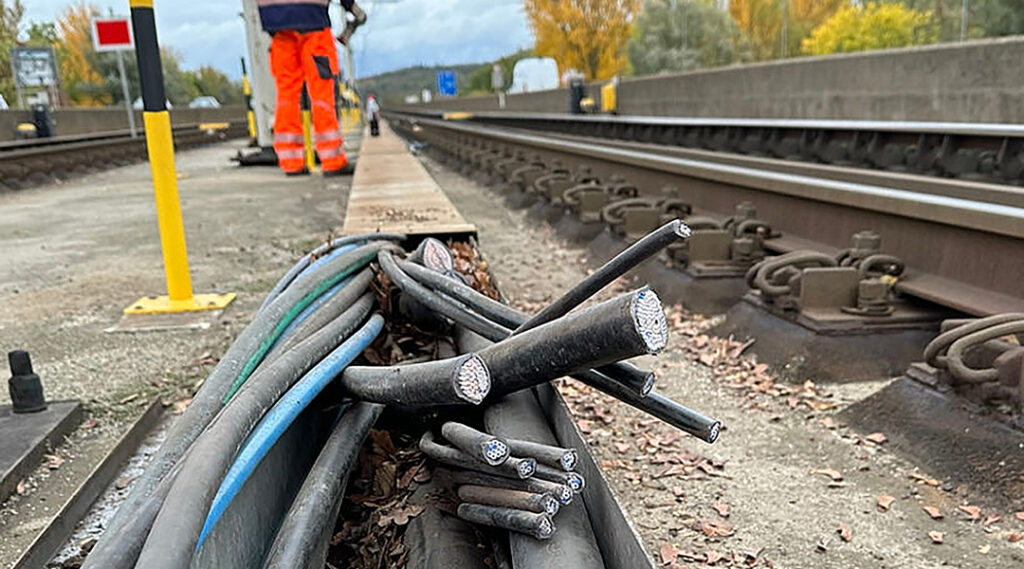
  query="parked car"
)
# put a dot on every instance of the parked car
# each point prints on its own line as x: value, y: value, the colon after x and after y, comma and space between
x: 204, y: 102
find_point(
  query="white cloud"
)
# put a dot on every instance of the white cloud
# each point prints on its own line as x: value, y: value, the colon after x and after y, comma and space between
x: 409, y: 32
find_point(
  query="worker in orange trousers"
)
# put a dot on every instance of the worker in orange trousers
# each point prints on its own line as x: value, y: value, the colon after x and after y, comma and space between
x: 302, y: 51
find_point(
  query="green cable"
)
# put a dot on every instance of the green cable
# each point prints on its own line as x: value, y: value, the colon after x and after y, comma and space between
x: 282, y: 324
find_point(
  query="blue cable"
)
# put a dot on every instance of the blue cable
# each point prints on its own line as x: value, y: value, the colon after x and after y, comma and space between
x: 277, y: 420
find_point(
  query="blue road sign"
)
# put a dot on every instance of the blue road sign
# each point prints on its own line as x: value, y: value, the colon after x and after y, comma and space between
x: 446, y: 84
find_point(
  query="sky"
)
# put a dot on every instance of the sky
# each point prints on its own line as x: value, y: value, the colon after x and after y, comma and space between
x: 398, y: 33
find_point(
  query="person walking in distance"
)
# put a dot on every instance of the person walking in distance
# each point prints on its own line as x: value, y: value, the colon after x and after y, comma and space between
x: 373, y: 112
x: 302, y: 52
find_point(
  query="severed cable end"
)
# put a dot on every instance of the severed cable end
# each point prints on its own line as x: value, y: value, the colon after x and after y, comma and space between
x: 565, y: 494
x: 551, y: 505
x: 472, y: 379
x: 681, y: 229
x: 526, y: 467
x: 575, y: 481
x: 435, y: 256
x: 713, y: 433
x: 495, y: 452
x: 545, y: 528
x: 649, y: 320
x: 569, y: 460
x: 648, y: 385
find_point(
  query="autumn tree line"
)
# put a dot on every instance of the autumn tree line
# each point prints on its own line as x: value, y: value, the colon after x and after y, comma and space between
x: 89, y: 78
x: 605, y: 38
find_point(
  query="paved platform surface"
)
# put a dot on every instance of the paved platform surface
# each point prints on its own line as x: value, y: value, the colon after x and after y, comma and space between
x: 75, y: 254
x: 393, y: 193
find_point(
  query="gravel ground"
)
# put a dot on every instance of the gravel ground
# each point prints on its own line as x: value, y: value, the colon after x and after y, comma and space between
x: 787, y: 485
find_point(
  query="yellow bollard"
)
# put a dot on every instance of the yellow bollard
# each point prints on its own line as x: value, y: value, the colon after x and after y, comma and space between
x: 160, y: 148
x: 307, y: 133
x: 250, y: 116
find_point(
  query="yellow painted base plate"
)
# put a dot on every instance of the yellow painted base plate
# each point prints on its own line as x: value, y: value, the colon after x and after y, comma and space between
x: 164, y: 305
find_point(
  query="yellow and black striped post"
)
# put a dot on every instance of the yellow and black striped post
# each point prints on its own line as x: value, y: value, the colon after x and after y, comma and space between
x: 250, y: 116
x: 160, y: 147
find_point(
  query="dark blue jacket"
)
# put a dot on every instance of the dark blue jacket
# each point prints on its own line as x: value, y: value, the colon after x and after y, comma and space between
x: 298, y: 15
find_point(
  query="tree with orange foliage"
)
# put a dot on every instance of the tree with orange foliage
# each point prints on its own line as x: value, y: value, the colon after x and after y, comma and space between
x: 761, y: 21
x: 589, y: 36
x: 82, y: 84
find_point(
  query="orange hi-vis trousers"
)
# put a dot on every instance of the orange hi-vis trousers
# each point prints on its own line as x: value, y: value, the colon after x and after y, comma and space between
x: 310, y: 57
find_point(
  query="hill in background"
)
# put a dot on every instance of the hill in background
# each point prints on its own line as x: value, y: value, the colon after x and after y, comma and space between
x: 393, y: 86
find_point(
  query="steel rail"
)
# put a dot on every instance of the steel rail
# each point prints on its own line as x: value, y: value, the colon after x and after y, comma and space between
x: 961, y: 150
x: 950, y: 187
x: 959, y: 250
x: 903, y: 127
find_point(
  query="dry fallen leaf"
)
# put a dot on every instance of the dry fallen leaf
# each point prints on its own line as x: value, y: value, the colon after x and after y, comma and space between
x: 668, y: 553
x: 991, y: 519
x: 714, y: 556
x: 20, y: 488
x: 828, y: 423
x: 984, y: 549
x: 400, y: 516
x: 973, y: 512
x: 884, y: 503
x: 54, y: 461
x: 91, y: 423
x: 933, y: 512
x: 181, y: 405
x: 936, y: 536
x: 621, y: 447
x: 845, y: 532
x: 1014, y: 537
x: 712, y: 528
x: 831, y: 473
x: 877, y: 438
x: 1019, y: 516
x: 721, y: 507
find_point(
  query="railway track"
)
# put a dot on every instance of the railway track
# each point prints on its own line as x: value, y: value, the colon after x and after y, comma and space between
x: 33, y: 162
x: 839, y: 274
x: 985, y: 152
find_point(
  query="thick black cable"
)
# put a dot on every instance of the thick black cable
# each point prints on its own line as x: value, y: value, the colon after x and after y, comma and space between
x: 619, y: 265
x: 655, y: 404
x: 110, y: 552
x: 306, y: 530
x: 634, y: 378
x: 175, y: 531
x: 462, y: 379
x: 574, y: 545
x: 324, y: 248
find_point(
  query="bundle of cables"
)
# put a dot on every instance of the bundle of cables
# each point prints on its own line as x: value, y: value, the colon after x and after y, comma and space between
x: 315, y: 324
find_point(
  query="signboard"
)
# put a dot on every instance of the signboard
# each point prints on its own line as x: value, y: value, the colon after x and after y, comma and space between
x: 446, y: 84
x: 112, y: 34
x: 34, y: 66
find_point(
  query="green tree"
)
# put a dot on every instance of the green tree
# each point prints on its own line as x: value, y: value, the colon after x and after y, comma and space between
x: 985, y: 18
x: 42, y: 33
x: 11, y: 14
x: 679, y: 35
x: 873, y: 26
x: 211, y: 81
x: 764, y: 22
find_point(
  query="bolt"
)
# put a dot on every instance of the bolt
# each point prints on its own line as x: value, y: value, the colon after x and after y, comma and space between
x: 745, y: 210
x: 867, y: 241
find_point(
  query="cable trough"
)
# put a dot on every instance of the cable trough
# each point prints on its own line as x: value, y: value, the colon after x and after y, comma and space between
x: 303, y: 386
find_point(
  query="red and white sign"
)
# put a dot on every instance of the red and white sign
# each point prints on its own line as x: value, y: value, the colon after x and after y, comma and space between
x: 112, y: 34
